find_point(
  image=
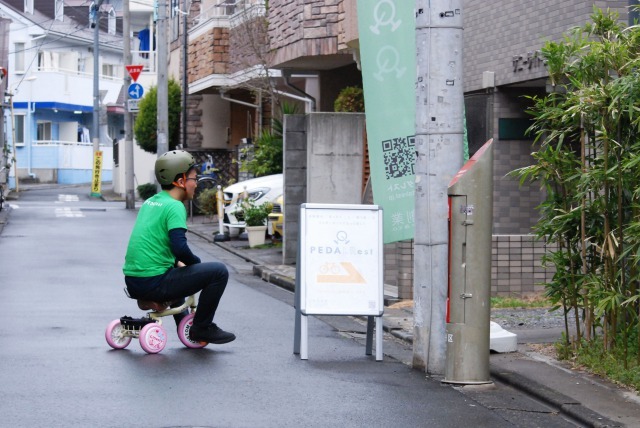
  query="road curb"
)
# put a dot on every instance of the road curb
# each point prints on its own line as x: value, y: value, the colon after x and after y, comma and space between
x: 282, y: 281
x: 562, y: 403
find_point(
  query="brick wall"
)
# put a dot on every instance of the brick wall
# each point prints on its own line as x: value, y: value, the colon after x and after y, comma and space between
x: 299, y: 28
x: 248, y: 45
x: 208, y: 54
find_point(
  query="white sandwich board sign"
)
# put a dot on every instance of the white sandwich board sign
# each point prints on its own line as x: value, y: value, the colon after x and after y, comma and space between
x: 341, y: 268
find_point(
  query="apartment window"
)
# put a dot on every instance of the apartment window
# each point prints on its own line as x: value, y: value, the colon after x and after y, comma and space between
x: 112, y: 21
x: 44, y: 131
x: 18, y: 123
x: 18, y: 53
x: 108, y: 70
x: 48, y: 60
x: 175, y: 21
x: 82, y: 64
x: 59, y: 10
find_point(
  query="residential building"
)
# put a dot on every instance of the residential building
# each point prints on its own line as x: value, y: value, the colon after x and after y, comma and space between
x: 313, y: 53
x: 503, y: 66
x: 50, y: 88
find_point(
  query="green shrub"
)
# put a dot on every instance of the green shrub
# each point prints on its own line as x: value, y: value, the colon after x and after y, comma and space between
x: 256, y: 215
x: 350, y: 100
x: 207, y: 201
x: 147, y: 190
x: 146, y: 124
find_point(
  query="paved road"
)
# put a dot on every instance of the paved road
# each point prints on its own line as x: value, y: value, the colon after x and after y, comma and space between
x: 61, y: 285
x: 60, y: 260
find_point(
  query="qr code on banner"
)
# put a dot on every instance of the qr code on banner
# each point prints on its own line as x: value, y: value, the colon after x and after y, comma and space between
x: 399, y: 156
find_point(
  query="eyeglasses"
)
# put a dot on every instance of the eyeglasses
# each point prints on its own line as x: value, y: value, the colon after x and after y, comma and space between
x: 191, y: 178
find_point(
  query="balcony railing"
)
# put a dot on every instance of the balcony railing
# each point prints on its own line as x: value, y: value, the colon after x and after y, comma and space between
x: 61, y: 143
x: 146, y: 58
x: 231, y: 9
x: 71, y: 72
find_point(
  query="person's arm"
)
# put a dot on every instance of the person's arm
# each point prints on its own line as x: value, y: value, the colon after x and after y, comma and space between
x: 180, y: 248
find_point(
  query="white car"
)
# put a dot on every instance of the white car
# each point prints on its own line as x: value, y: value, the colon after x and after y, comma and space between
x: 259, y: 190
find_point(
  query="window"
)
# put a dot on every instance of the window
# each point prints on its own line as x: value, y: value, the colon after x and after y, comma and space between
x: 175, y: 21
x: 82, y: 64
x: 18, y: 123
x: 59, y: 10
x: 108, y: 70
x: 112, y: 21
x: 48, y: 60
x: 44, y: 131
x: 18, y: 52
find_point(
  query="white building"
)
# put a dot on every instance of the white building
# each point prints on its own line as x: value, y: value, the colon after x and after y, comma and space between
x: 50, y: 83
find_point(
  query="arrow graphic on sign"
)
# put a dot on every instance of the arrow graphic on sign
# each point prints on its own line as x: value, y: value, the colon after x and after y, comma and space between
x: 352, y: 275
x: 135, y: 91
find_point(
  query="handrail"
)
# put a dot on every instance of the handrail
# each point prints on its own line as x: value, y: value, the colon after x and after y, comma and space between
x: 63, y: 143
x: 229, y: 9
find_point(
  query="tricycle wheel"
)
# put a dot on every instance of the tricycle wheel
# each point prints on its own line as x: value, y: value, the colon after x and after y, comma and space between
x: 115, y: 335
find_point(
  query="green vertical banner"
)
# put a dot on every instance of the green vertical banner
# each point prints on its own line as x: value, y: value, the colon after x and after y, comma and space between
x: 388, y: 63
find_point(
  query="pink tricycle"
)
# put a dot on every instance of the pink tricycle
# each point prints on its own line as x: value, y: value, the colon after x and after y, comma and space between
x: 149, y: 329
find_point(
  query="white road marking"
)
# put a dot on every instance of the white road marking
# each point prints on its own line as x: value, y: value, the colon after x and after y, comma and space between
x: 68, y: 198
x: 68, y: 212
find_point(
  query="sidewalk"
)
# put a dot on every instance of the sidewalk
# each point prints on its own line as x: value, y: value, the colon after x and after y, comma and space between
x: 592, y: 401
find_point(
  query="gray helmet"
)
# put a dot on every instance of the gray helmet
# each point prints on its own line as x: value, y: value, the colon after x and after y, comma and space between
x: 172, y: 163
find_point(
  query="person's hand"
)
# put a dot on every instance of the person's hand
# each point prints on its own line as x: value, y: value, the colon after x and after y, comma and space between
x: 180, y: 264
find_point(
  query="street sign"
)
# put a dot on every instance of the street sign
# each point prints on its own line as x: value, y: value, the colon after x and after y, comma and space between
x: 135, y: 91
x: 134, y: 71
x: 133, y: 106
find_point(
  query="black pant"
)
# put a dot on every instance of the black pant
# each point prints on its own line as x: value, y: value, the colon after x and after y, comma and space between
x: 177, y: 283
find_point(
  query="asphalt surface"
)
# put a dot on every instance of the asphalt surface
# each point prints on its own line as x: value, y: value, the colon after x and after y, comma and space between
x: 69, y: 376
x: 587, y: 399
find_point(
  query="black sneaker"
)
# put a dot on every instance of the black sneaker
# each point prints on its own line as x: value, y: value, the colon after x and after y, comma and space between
x: 210, y: 334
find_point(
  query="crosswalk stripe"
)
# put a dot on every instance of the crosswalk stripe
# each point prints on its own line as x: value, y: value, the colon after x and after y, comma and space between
x: 68, y: 212
x: 68, y: 198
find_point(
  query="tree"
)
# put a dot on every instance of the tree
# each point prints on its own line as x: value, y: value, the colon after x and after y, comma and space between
x: 146, y: 124
x: 588, y: 129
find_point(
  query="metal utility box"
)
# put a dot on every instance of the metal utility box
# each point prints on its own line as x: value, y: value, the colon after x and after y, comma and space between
x: 468, y: 315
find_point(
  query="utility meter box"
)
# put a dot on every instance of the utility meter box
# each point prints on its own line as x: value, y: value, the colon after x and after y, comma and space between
x: 468, y: 313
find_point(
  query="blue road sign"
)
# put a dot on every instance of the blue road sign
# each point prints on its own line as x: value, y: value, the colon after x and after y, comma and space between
x: 135, y: 91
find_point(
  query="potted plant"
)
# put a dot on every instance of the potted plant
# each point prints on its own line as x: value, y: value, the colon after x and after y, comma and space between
x: 255, y: 219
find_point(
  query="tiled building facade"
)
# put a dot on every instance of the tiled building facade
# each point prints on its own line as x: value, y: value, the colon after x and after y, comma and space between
x: 503, y: 66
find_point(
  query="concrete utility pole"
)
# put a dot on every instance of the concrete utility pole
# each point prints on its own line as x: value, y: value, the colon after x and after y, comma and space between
x: 95, y: 22
x: 163, y: 89
x: 129, y: 186
x: 439, y: 141
x: 185, y: 64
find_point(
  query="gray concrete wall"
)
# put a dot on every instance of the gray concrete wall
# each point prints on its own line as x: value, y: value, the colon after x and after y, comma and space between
x: 295, y: 182
x: 323, y: 158
x: 335, y: 157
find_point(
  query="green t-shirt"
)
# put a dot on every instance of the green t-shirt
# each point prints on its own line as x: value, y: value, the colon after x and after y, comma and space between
x: 149, y: 253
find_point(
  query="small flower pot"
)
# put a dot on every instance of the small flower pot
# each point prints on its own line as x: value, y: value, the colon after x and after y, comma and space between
x: 256, y: 235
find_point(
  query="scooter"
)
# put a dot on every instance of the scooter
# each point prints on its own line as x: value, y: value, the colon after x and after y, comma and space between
x: 149, y: 329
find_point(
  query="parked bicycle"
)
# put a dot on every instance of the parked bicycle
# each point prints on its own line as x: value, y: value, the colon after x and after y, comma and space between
x: 206, y: 179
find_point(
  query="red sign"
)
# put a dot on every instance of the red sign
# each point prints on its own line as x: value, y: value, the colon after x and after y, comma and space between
x: 134, y: 71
